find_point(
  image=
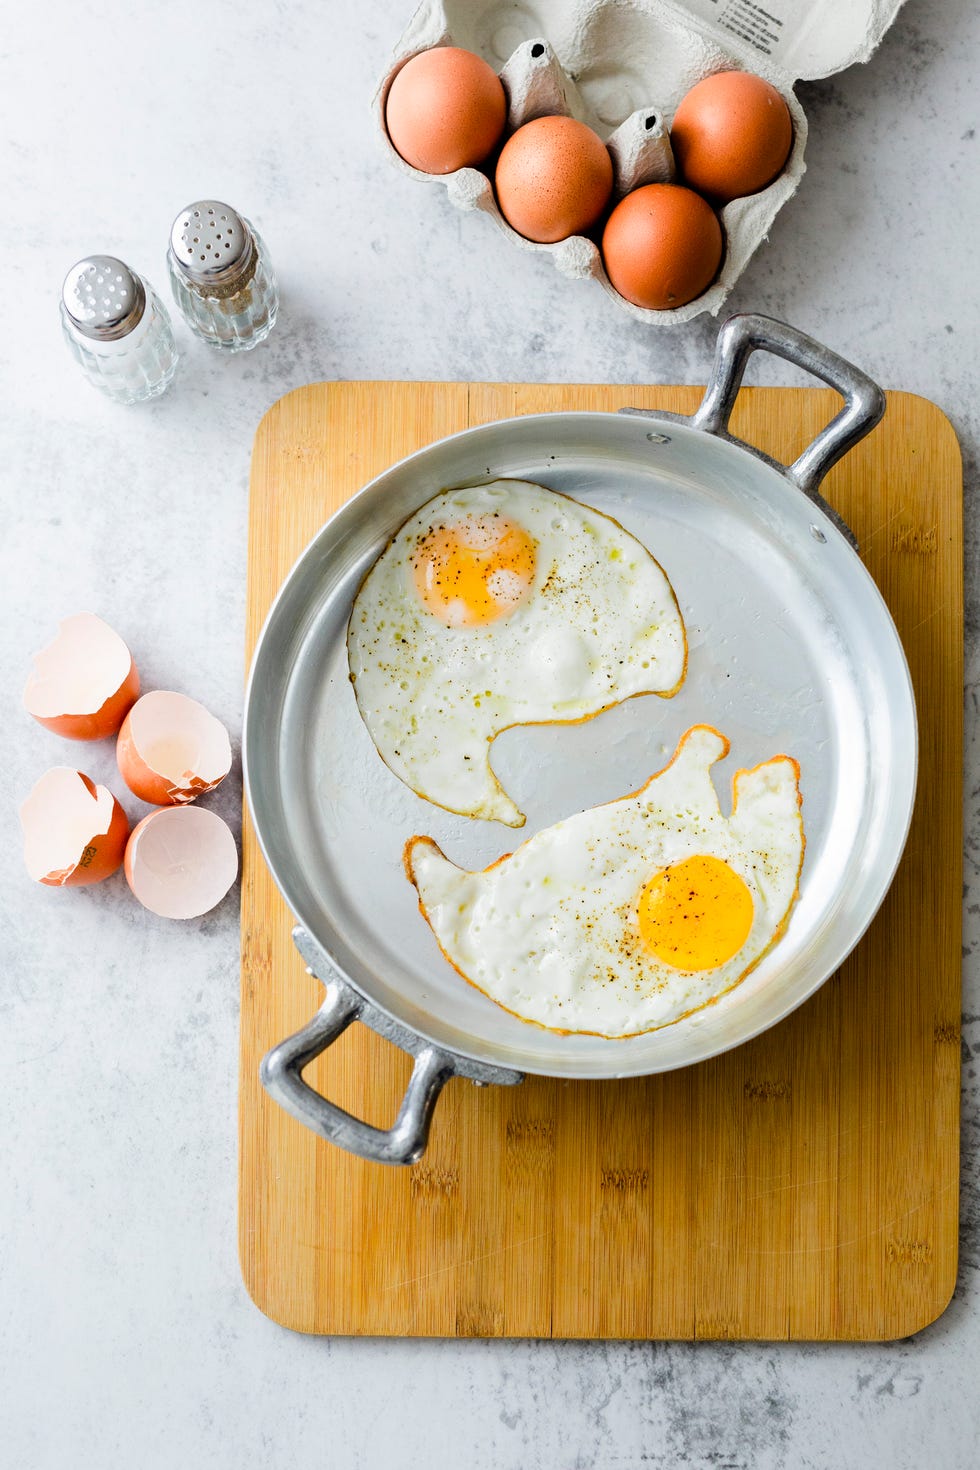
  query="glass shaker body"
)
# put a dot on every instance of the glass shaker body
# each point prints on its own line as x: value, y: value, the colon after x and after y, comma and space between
x: 118, y: 330
x: 221, y: 277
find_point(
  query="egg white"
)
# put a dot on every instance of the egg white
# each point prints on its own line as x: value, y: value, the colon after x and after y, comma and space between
x: 551, y: 931
x: 599, y: 624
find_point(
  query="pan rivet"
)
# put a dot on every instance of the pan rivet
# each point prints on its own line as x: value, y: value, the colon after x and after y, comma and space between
x: 817, y: 534
x: 659, y: 438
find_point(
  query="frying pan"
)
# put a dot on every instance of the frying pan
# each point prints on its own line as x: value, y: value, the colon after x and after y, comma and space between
x: 791, y: 650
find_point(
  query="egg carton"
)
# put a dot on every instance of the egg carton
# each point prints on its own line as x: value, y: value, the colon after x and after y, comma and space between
x: 622, y: 67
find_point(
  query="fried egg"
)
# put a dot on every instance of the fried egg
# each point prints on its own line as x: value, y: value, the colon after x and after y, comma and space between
x: 627, y: 916
x: 499, y: 605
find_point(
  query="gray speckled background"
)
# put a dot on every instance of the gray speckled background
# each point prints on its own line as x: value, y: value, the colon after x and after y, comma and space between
x: 126, y: 1336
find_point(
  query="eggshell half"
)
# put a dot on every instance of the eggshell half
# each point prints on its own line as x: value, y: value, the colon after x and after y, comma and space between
x: 171, y: 750
x: 74, y: 831
x: 84, y: 681
x: 662, y: 246
x: 182, y: 861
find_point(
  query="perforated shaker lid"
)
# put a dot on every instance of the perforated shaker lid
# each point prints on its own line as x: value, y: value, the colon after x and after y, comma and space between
x: 103, y: 297
x: 210, y: 242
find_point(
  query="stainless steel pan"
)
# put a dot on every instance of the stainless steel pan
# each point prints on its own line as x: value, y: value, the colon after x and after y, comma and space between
x: 792, y: 649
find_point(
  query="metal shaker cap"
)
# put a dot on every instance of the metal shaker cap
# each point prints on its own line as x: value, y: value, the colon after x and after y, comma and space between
x: 103, y: 297
x: 210, y: 242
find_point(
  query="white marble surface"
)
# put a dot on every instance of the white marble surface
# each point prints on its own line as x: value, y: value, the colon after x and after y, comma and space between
x: 126, y: 1337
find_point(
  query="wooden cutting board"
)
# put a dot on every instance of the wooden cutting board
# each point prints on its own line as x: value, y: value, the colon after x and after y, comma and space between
x: 803, y: 1186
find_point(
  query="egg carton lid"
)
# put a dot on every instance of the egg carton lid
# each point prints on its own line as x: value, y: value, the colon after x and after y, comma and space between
x: 794, y: 40
x: 802, y: 40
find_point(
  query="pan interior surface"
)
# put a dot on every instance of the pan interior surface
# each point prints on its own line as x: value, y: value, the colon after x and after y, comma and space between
x: 791, y: 651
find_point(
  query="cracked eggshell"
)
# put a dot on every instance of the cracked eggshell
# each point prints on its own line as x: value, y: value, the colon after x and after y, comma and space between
x: 84, y: 681
x: 632, y: 65
x: 180, y: 862
x: 74, y: 831
x: 171, y: 750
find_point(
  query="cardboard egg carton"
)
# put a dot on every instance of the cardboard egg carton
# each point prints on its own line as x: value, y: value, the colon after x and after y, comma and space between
x: 622, y: 68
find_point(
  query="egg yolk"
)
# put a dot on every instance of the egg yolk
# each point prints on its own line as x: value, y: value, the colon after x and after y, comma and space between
x: 474, y: 571
x: 696, y: 914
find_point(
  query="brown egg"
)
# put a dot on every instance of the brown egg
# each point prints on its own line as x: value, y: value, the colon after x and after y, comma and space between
x: 554, y: 178
x: 662, y: 246
x: 731, y: 135
x: 446, y: 109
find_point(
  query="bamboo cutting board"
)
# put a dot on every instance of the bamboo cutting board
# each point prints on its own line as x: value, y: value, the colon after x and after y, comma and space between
x: 803, y: 1186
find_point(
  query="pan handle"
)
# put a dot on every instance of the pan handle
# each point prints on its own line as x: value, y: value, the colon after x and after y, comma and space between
x: 864, y: 402
x: 282, y: 1068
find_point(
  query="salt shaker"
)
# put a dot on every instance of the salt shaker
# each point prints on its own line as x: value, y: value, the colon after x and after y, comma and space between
x: 221, y: 277
x: 117, y: 329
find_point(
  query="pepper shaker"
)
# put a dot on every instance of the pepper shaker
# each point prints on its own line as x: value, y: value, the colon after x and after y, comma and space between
x: 221, y: 277
x: 117, y: 329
